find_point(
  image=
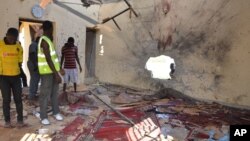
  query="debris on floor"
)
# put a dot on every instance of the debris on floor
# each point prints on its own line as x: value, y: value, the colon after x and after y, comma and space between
x: 144, y: 114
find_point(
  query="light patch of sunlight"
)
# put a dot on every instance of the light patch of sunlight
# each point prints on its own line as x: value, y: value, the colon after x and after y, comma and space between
x: 22, y: 40
x: 100, y: 41
x: 160, y: 66
x: 21, y: 37
x: 36, y: 137
x: 146, y: 130
x: 101, y: 52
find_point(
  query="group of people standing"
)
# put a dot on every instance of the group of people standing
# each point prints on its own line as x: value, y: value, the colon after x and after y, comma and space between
x: 44, y: 66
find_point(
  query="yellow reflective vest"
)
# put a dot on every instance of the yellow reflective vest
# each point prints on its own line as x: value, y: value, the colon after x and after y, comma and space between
x: 42, y: 63
x: 10, y: 57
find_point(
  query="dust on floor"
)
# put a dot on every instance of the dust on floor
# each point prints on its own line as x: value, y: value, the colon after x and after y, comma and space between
x: 175, y: 116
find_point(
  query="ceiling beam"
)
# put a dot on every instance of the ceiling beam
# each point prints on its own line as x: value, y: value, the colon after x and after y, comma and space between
x: 82, y: 16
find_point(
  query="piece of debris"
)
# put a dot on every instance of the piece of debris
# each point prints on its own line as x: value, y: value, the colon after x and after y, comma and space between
x: 124, y: 98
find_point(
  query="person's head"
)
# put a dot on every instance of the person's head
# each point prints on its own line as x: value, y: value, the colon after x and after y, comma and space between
x: 47, y: 27
x: 71, y: 40
x: 172, y: 67
x: 11, y: 35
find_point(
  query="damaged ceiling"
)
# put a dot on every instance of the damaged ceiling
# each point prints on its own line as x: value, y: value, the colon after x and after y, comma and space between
x: 87, y: 3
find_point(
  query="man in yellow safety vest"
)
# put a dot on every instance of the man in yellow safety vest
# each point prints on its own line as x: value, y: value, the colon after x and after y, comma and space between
x: 49, y: 67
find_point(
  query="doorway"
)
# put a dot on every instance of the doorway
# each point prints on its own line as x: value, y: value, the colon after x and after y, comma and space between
x: 28, y: 31
x: 90, y: 52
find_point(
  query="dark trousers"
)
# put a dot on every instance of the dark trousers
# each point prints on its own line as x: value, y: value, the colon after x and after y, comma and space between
x: 12, y: 84
x: 34, y: 81
x: 23, y: 78
x: 48, y: 90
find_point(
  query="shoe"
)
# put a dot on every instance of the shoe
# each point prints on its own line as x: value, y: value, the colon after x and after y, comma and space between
x: 7, y: 125
x: 20, y: 124
x: 58, y: 117
x: 37, y: 114
x: 45, y: 121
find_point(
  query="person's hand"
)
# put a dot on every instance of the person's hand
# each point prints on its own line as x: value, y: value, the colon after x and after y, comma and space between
x: 58, y: 78
x: 80, y: 69
x: 62, y: 72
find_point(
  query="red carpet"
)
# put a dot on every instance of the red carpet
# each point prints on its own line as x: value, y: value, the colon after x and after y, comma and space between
x: 111, y: 126
x: 73, y: 127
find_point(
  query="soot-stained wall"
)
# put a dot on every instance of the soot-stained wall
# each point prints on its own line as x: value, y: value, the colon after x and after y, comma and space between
x: 209, y: 40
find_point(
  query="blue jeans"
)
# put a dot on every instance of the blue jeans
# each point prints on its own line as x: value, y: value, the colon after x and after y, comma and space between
x: 34, y: 81
x: 48, y: 90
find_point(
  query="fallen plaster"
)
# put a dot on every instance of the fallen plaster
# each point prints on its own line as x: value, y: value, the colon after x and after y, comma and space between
x: 172, y: 115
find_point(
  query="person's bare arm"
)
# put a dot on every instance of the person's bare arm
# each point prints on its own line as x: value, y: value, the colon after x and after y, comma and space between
x: 78, y: 61
x: 46, y: 51
x: 62, y: 60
